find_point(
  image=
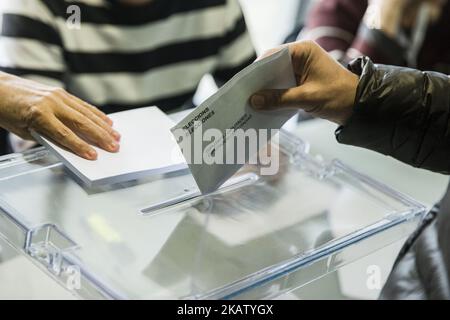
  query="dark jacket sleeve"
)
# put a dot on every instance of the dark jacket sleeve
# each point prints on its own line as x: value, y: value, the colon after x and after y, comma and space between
x: 403, y: 113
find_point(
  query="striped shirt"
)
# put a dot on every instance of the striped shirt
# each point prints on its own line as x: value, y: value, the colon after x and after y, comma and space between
x: 125, y: 56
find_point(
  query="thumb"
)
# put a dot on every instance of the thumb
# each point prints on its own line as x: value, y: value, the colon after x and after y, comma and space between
x: 276, y: 99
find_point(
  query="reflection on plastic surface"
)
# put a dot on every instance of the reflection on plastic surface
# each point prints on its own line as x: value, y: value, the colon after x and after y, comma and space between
x: 256, y: 237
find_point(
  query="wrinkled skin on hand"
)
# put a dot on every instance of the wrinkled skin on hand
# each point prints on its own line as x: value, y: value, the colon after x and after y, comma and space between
x: 52, y: 112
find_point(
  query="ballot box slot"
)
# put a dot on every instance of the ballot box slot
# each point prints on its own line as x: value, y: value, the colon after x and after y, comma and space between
x: 193, y: 195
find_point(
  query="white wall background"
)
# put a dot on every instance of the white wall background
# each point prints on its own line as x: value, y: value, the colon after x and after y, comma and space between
x: 270, y: 21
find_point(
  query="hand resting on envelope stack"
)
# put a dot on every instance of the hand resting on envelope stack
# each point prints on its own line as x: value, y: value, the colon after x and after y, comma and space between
x: 27, y: 106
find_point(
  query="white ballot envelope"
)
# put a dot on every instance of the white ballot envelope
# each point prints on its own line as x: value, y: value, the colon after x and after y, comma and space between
x: 206, y: 136
x: 146, y: 148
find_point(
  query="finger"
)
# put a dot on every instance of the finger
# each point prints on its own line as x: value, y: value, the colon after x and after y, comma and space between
x: 55, y: 130
x: 89, y: 114
x: 90, y: 131
x: 276, y: 99
x: 93, y: 109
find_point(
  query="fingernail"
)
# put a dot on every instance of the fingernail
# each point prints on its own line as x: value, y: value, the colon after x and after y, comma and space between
x: 116, y: 135
x: 92, y: 154
x: 114, y: 146
x: 258, y: 101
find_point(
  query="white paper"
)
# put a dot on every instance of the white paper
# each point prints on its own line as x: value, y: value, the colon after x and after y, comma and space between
x: 229, y: 108
x: 147, y: 147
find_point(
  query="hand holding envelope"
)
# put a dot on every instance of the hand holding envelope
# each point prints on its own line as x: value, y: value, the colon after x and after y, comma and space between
x: 209, y: 135
x: 325, y: 88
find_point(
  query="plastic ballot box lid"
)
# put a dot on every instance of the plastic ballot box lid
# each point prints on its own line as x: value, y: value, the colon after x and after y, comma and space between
x: 155, y: 238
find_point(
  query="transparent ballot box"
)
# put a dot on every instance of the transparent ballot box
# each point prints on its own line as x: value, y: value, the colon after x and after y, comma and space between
x: 156, y: 238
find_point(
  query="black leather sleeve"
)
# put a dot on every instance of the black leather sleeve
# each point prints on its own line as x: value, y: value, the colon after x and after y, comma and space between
x: 403, y: 113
